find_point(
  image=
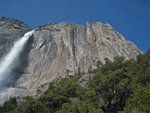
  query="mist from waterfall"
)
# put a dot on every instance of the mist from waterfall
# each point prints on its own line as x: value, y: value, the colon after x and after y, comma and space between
x: 11, y: 61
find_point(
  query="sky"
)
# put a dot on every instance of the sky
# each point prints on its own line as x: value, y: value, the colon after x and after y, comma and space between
x: 129, y: 17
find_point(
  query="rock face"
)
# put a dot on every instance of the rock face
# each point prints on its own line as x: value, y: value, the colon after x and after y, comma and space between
x: 10, y: 30
x: 60, y: 49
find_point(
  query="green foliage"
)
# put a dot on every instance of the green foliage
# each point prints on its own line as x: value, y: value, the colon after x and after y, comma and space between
x: 30, y: 105
x: 9, y: 106
x: 111, y: 84
x: 80, y: 107
x: 119, y: 86
x: 139, y: 101
x: 60, y: 93
x: 115, y: 82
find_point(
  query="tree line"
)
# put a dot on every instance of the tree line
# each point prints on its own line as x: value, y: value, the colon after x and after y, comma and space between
x: 119, y: 86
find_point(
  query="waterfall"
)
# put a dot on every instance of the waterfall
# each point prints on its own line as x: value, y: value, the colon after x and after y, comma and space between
x: 11, y: 61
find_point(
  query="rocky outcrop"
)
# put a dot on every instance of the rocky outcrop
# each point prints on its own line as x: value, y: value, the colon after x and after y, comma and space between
x: 83, y: 81
x: 61, y: 49
x: 10, y: 30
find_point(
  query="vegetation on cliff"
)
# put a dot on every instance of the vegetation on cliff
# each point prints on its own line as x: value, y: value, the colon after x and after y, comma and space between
x: 119, y: 86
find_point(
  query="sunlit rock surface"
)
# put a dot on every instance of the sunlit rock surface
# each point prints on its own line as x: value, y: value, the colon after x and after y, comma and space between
x: 60, y: 49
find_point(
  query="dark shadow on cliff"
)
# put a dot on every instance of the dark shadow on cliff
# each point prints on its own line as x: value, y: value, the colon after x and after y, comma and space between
x: 23, y: 63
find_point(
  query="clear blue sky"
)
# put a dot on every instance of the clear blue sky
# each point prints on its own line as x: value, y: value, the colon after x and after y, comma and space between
x: 129, y: 17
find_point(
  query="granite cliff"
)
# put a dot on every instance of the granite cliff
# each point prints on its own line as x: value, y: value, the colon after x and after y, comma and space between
x: 10, y: 30
x: 60, y: 49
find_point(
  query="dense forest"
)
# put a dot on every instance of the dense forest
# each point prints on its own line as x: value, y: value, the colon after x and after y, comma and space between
x: 119, y: 86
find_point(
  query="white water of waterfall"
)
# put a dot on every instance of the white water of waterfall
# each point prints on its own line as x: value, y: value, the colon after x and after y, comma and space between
x: 11, y: 60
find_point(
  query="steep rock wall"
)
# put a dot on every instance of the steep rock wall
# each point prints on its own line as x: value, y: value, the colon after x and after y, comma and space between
x: 10, y: 30
x: 59, y: 50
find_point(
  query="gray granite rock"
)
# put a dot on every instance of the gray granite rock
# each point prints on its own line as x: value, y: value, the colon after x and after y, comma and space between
x: 10, y: 30
x: 61, y: 49
x: 83, y: 81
